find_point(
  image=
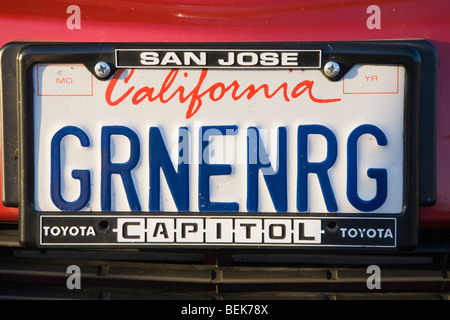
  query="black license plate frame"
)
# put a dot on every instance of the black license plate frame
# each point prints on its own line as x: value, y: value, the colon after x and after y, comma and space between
x: 418, y: 57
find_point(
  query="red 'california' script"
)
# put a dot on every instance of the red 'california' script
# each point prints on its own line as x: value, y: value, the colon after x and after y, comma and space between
x: 215, y: 92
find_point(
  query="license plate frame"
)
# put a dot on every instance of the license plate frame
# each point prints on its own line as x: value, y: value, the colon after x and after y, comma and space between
x: 418, y: 58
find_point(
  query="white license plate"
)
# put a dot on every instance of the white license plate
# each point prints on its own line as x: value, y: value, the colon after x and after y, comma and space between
x: 214, y: 140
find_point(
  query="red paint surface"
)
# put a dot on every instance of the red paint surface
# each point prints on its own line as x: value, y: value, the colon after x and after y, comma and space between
x: 248, y: 20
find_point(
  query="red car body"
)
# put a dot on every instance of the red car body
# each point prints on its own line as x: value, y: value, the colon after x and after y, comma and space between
x: 236, y: 274
x: 249, y: 21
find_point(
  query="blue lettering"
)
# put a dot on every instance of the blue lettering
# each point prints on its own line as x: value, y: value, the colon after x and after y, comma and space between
x: 320, y: 169
x: 122, y: 169
x: 177, y: 175
x: 380, y: 175
x: 82, y: 175
x: 257, y: 159
x: 207, y: 170
x: 159, y: 158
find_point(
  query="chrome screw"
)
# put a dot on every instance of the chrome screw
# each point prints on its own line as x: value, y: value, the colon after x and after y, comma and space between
x: 331, y: 69
x: 102, y: 69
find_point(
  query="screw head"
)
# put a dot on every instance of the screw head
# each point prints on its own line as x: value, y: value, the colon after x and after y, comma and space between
x: 331, y: 69
x: 102, y: 69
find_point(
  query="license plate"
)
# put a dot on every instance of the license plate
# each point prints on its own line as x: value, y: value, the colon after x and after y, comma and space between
x: 219, y: 147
